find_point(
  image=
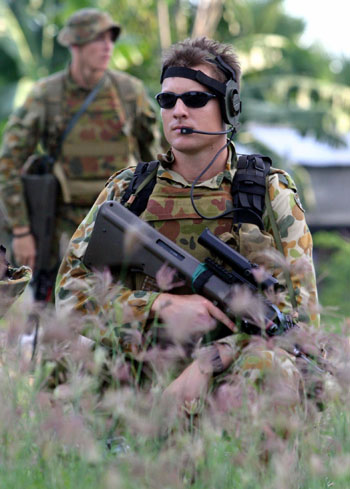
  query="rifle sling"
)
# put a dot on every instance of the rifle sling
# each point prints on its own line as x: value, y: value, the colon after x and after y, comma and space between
x: 89, y: 99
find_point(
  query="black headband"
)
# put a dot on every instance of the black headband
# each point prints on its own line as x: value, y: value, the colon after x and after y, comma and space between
x: 196, y: 75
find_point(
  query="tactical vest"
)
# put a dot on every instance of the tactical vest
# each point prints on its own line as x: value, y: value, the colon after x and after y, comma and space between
x: 102, y: 134
x: 247, y: 191
x: 170, y: 211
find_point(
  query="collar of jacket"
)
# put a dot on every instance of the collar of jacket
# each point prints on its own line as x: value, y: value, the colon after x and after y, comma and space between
x: 72, y: 86
x: 165, y: 172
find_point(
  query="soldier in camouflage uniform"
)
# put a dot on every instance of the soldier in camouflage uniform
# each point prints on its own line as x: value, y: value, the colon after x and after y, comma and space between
x: 134, y: 304
x: 117, y: 129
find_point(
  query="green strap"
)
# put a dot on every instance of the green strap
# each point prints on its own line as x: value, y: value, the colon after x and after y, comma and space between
x: 278, y: 241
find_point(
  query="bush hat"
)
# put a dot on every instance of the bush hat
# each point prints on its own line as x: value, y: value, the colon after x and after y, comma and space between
x: 85, y: 25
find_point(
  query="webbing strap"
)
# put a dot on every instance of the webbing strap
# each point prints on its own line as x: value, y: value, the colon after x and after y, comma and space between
x: 278, y: 241
x: 146, y: 180
x: 137, y: 194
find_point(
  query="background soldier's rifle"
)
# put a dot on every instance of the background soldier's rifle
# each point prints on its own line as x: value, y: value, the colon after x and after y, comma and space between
x: 210, y: 279
x: 41, y: 192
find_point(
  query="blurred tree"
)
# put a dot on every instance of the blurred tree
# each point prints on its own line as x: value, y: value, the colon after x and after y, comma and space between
x: 28, y: 49
x: 334, y: 272
x: 283, y: 82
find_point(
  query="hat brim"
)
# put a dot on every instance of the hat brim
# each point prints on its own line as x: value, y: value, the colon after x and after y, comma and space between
x: 66, y: 39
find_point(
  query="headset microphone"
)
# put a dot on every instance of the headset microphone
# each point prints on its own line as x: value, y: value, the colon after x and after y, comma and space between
x: 188, y: 130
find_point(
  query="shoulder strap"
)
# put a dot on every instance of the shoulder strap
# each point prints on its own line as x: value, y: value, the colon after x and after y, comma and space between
x: 136, y: 196
x: 52, y: 104
x: 72, y: 122
x: 54, y: 92
x: 248, y: 189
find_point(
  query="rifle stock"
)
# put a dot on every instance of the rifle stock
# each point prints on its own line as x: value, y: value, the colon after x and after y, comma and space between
x: 106, y: 248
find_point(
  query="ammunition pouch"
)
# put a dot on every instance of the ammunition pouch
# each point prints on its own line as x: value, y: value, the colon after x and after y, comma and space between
x: 248, y: 189
x: 77, y: 191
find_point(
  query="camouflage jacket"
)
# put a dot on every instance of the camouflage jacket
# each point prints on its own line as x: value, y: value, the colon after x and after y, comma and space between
x: 127, y: 304
x: 116, y: 130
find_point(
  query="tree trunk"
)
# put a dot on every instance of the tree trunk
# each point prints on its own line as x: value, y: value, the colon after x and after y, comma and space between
x: 207, y: 17
x: 164, y: 24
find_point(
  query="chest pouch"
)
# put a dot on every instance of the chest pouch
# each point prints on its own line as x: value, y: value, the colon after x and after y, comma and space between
x: 248, y: 189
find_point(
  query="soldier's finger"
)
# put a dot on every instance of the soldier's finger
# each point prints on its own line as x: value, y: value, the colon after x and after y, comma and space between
x: 221, y: 316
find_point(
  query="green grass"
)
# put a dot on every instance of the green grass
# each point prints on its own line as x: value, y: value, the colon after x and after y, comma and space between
x: 249, y: 434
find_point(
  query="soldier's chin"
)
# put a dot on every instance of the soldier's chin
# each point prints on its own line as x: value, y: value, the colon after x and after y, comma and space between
x: 103, y: 64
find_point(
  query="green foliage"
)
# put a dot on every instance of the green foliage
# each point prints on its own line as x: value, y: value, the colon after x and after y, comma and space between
x: 28, y: 47
x: 333, y: 265
x: 283, y: 82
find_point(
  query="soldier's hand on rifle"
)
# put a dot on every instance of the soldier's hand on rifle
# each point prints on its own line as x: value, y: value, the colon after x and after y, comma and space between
x: 194, y: 309
x: 24, y: 246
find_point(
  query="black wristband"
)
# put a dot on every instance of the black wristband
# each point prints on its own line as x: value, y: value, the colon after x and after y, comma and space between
x: 21, y: 235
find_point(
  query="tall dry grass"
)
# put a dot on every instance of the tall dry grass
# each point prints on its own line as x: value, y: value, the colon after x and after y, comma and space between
x: 80, y: 415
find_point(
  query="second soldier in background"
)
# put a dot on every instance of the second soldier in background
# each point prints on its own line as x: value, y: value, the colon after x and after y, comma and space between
x: 117, y: 129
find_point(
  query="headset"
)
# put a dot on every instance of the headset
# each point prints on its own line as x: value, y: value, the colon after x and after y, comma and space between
x: 227, y: 92
x: 230, y: 107
x: 189, y: 130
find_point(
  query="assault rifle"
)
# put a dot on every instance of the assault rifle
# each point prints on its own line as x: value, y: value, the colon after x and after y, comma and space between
x: 210, y: 279
x: 41, y: 191
x: 106, y: 248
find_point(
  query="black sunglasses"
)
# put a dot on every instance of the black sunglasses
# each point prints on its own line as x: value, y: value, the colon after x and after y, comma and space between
x: 167, y: 100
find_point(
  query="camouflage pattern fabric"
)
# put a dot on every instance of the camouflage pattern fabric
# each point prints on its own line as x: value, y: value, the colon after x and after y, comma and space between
x: 12, y: 286
x: 111, y: 134
x: 85, y: 25
x: 127, y: 304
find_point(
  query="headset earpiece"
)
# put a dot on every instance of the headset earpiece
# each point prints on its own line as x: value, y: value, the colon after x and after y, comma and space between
x: 227, y: 92
x: 232, y: 104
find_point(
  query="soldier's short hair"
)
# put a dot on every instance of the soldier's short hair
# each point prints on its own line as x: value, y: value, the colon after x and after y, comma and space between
x: 192, y: 52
